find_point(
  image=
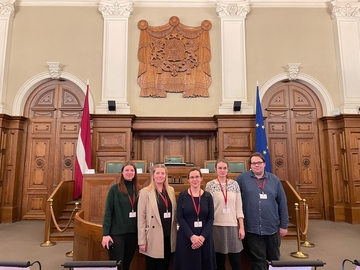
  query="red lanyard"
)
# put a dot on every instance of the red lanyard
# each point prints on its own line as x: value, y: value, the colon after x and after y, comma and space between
x: 225, y: 195
x: 197, y: 209
x: 261, y: 186
x: 132, y: 201
x: 164, y: 198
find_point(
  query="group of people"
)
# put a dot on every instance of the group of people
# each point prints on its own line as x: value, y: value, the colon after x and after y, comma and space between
x: 202, y: 226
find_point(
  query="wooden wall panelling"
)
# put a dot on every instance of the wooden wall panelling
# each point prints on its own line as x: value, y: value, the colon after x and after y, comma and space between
x: 156, y: 137
x: 236, y: 137
x: 350, y: 127
x: 12, y: 140
x: 175, y: 144
x: 331, y: 156
x: 148, y: 147
x: 112, y: 139
x: 324, y: 166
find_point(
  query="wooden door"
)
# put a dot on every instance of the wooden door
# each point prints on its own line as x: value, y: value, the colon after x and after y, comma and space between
x: 54, y: 112
x: 292, y: 112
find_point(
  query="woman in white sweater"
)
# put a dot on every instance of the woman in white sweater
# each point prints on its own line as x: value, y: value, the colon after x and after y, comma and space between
x: 228, y: 229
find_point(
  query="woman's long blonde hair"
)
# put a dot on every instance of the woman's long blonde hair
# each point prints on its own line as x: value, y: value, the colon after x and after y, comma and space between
x: 151, y: 186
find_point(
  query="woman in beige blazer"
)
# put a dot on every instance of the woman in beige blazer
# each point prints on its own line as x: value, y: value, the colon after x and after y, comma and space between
x: 156, y: 220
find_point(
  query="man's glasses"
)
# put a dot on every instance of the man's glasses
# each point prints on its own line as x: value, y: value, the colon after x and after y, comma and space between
x: 194, y: 177
x: 257, y: 163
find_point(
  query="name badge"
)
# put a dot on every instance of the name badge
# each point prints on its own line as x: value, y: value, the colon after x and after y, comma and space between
x: 226, y: 211
x: 198, y: 224
x: 167, y: 215
x: 263, y: 196
x: 132, y: 215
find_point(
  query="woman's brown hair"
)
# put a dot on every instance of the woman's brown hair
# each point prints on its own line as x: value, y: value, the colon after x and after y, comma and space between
x: 121, y: 186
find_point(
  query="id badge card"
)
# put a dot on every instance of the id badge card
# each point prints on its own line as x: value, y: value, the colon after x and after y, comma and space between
x: 198, y: 224
x: 263, y: 196
x: 226, y: 211
x: 132, y: 215
x: 167, y: 215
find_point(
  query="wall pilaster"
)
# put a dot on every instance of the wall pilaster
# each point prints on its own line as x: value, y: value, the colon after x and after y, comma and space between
x: 233, y: 53
x: 114, y: 76
x: 346, y: 25
x: 7, y: 12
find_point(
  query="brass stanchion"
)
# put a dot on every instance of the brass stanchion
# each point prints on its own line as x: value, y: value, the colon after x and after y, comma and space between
x: 71, y: 253
x: 298, y: 254
x: 306, y: 243
x: 48, y: 243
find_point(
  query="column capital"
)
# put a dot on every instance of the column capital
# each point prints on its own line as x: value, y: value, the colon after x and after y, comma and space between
x: 345, y: 9
x: 116, y: 8
x: 7, y: 7
x: 233, y: 9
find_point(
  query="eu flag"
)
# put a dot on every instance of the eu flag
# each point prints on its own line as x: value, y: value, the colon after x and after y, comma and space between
x: 260, y: 139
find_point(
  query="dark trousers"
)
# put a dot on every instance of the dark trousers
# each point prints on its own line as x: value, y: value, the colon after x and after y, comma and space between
x: 234, y: 259
x: 124, y: 249
x: 262, y: 248
x: 163, y: 263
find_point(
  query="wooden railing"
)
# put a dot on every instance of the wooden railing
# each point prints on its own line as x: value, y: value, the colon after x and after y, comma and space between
x: 293, y: 197
x: 58, y: 199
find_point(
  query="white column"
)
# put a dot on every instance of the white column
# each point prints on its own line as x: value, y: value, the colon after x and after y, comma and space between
x: 233, y: 52
x: 346, y: 24
x: 6, y: 20
x: 115, y: 45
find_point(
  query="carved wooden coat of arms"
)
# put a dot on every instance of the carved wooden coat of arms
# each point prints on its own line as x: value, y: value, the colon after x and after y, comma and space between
x: 174, y: 58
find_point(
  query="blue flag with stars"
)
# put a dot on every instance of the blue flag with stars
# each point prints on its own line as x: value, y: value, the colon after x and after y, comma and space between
x: 260, y: 133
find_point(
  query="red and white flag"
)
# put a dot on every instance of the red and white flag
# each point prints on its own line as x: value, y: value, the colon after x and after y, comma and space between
x: 83, y: 148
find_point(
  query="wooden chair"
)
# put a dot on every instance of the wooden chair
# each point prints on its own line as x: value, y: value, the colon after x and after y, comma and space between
x: 140, y: 164
x: 113, y: 166
x: 235, y: 166
x: 173, y: 159
x: 238, y: 166
x: 210, y: 164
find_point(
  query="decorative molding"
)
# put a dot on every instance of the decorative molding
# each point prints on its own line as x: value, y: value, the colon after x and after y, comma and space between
x: 111, y: 8
x: 341, y: 9
x: 182, y: 3
x: 318, y: 88
x: 233, y: 9
x: 55, y: 69
x: 31, y: 84
x: 292, y: 70
x: 7, y: 7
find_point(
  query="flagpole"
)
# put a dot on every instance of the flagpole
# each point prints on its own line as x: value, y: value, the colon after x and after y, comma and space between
x: 261, y: 144
x: 83, y: 147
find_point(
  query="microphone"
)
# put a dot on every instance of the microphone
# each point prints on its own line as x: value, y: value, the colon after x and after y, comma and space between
x: 296, y: 263
x: 15, y: 264
x: 357, y: 262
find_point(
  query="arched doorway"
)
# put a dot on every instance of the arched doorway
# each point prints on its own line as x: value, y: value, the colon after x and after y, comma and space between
x: 54, y: 112
x: 292, y: 112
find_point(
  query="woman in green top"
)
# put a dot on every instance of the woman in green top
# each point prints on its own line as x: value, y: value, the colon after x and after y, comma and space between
x: 120, y: 225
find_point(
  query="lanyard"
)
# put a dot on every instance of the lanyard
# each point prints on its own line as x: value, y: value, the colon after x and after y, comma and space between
x: 261, y: 186
x: 225, y: 195
x: 197, y: 209
x: 164, y: 198
x: 132, y: 201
